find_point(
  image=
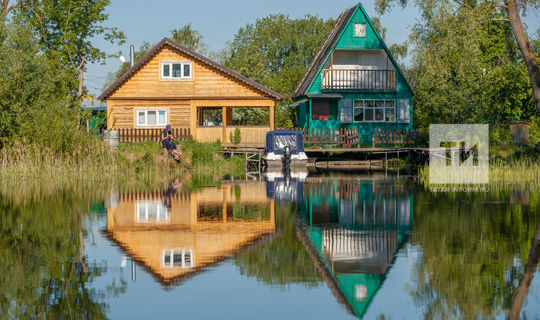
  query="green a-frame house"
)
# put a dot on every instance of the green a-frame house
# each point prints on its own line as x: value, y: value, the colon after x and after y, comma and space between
x: 354, y: 82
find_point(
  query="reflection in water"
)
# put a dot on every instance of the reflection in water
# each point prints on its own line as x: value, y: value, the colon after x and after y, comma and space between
x: 354, y: 229
x: 466, y: 252
x: 175, y: 234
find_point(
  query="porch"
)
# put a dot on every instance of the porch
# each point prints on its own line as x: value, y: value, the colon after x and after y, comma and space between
x: 359, y: 70
x: 224, y: 124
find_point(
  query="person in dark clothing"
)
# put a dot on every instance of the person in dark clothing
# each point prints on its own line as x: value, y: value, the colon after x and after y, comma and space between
x: 166, y: 142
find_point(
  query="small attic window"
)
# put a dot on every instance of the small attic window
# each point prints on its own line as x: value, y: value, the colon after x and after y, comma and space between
x: 360, y: 30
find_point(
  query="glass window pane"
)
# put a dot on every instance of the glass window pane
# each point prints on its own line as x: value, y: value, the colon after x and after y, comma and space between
x: 369, y: 104
x: 389, y: 103
x: 167, y: 257
x: 166, y: 70
x: 177, y: 259
x: 368, y: 115
x: 141, y: 117
x: 152, y: 212
x: 379, y: 103
x: 187, y: 70
x: 141, y: 213
x: 358, y: 114
x: 162, y: 117
x: 187, y: 258
x: 379, y: 114
x: 389, y: 114
x: 358, y: 103
x: 176, y: 70
x: 151, y: 118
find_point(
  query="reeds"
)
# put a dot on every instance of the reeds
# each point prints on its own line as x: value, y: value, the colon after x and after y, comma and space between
x: 524, y: 172
x: 37, y: 171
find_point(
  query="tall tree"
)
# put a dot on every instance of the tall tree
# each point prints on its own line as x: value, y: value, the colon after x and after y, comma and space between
x: 276, y: 51
x: 66, y: 30
x: 189, y: 38
x: 432, y: 8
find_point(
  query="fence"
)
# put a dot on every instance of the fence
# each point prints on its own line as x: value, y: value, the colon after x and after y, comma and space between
x: 344, y: 137
x: 140, y: 135
x: 394, y: 136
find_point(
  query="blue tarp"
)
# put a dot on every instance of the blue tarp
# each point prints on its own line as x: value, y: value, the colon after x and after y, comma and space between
x: 281, y: 190
x: 276, y: 140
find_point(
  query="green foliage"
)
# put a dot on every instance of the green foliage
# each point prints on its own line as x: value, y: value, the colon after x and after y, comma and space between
x: 235, y: 137
x: 66, y: 30
x: 276, y: 50
x: 463, y: 63
x: 33, y: 94
x: 189, y: 38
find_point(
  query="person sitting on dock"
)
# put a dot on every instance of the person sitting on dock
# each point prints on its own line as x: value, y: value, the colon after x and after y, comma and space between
x: 166, y: 142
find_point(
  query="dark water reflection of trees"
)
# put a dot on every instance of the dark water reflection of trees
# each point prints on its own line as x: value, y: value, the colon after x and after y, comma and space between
x: 474, y: 247
x: 44, y: 271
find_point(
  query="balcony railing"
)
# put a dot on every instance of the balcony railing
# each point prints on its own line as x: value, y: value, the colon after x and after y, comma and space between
x: 350, y: 79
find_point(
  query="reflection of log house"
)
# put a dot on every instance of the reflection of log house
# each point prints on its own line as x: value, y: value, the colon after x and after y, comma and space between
x: 355, y: 230
x: 174, y: 236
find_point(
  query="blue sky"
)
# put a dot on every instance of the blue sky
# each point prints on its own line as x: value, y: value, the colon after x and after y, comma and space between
x: 218, y: 21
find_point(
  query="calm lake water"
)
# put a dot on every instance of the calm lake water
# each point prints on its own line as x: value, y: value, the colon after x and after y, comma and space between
x: 310, y: 247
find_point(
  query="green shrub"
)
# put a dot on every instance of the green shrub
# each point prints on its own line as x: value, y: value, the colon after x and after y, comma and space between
x: 235, y: 137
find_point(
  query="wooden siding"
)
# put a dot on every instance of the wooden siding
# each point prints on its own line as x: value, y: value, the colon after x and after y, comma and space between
x: 205, y: 81
x: 249, y: 135
x: 122, y: 113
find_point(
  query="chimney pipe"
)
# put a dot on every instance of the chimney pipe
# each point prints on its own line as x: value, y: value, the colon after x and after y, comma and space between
x: 131, y: 55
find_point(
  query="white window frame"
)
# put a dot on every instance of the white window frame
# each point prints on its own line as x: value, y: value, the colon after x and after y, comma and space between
x: 170, y: 253
x: 364, y: 108
x: 162, y: 211
x: 170, y: 76
x: 145, y: 124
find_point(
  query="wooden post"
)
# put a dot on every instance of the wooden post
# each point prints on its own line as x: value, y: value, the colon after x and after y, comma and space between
x: 272, y: 116
x: 224, y: 123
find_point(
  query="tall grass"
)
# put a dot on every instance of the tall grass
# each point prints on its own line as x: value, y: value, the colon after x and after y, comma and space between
x: 524, y: 172
x: 35, y: 169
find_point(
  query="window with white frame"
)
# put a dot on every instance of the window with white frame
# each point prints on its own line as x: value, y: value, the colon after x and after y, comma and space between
x: 151, y: 211
x: 151, y: 118
x: 176, y: 70
x: 374, y: 111
x: 177, y: 258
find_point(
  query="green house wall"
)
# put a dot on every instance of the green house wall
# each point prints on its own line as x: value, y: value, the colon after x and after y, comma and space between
x: 347, y: 41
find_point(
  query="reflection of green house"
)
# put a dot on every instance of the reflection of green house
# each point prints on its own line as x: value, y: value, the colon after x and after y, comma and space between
x: 354, y: 82
x: 354, y: 232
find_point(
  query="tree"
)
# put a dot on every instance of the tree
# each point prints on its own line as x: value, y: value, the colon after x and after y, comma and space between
x: 189, y: 38
x: 66, y: 29
x: 276, y: 51
x: 431, y: 9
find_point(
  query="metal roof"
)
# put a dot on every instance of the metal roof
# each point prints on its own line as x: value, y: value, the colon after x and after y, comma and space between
x: 194, y: 55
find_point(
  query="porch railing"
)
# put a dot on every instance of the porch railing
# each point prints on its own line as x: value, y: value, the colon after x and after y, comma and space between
x: 350, y: 79
x: 344, y: 137
x: 394, y: 136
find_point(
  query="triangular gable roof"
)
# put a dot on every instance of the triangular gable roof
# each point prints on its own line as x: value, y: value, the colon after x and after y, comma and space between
x: 194, y: 55
x: 329, y: 45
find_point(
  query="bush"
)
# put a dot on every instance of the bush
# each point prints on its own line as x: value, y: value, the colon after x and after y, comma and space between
x: 235, y: 137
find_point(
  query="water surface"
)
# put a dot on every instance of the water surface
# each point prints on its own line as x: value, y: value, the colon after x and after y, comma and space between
x: 320, y: 247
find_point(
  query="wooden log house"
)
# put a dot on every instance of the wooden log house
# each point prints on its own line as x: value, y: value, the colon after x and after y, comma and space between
x: 174, y: 85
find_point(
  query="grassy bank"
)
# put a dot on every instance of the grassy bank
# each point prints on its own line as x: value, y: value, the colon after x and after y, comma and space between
x: 140, y: 165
